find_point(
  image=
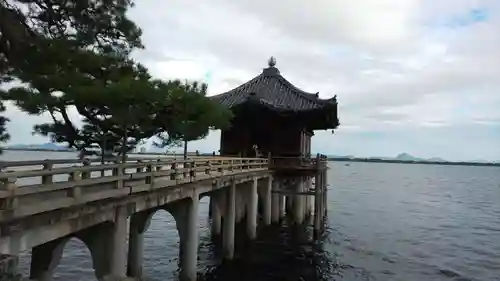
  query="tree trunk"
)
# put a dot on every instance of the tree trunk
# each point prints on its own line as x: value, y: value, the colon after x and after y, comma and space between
x: 124, y: 145
x: 185, y: 150
x: 103, y: 149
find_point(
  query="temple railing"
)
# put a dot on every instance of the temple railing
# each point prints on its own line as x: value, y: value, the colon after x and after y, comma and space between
x: 29, y: 187
x: 298, y: 162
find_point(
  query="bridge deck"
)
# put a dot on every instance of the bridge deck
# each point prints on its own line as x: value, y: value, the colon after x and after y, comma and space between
x: 26, y: 190
x: 62, y: 197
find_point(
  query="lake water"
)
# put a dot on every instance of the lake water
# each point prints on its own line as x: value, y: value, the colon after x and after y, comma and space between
x: 385, y: 222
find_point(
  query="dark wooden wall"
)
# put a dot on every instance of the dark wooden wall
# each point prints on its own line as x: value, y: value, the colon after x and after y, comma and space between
x: 280, y: 141
x: 274, y: 132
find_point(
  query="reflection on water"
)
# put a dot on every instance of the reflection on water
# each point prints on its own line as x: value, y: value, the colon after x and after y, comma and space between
x: 385, y: 222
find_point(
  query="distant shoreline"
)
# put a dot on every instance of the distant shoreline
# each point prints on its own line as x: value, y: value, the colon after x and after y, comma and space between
x: 413, y: 162
x: 74, y: 150
x: 39, y: 149
x: 335, y: 159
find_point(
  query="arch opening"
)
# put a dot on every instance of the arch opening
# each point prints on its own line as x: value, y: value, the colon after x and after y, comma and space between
x: 75, y: 262
x: 161, y: 246
x: 66, y: 258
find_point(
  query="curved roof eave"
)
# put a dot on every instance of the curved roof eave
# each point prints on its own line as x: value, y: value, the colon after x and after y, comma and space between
x: 271, y: 86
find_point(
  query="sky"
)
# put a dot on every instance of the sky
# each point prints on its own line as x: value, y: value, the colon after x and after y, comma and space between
x: 415, y: 76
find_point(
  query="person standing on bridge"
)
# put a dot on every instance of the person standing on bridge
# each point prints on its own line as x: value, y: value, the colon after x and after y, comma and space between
x: 256, y: 152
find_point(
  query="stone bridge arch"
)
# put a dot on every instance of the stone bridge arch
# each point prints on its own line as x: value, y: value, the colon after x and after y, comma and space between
x: 98, y: 240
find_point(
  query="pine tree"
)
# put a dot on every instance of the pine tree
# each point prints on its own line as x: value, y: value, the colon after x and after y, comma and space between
x: 74, y: 55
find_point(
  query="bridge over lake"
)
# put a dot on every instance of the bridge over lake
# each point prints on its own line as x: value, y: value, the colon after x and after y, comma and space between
x: 46, y: 203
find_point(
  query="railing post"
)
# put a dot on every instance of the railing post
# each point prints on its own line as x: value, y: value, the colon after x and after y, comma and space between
x: 158, y: 165
x: 173, y: 171
x: 220, y: 169
x: 150, y: 168
x: 75, y: 191
x: 86, y: 174
x: 47, y: 179
x: 119, y: 172
x: 185, y: 165
x: 208, y: 168
x: 9, y: 184
x: 269, y: 159
x: 230, y: 169
x: 139, y: 169
x: 192, y: 171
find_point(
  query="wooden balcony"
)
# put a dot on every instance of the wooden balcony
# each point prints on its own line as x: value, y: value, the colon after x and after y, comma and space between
x: 298, y: 164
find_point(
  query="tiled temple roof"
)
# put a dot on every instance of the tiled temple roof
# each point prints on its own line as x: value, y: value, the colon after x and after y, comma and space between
x: 273, y: 90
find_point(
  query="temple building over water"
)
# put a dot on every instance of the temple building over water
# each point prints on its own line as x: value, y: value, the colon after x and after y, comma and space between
x: 276, y: 116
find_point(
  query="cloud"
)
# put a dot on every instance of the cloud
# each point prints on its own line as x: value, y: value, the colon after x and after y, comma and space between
x: 356, y: 23
x: 416, y: 76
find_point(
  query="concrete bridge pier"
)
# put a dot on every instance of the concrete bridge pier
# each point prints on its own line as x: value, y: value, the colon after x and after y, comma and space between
x: 119, y: 254
x: 139, y: 223
x: 266, y: 196
x: 252, y: 205
x: 288, y: 202
x: 325, y: 193
x: 216, y: 213
x: 275, y: 211
x: 308, y: 198
x: 276, y: 205
x: 281, y: 204
x: 229, y: 222
x: 187, y: 225
x: 298, y: 202
x: 319, y: 201
x: 241, y: 201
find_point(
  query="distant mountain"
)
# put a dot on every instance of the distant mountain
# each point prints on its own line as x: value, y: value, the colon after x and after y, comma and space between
x: 337, y: 156
x: 407, y: 157
x: 436, y: 159
x: 400, y: 157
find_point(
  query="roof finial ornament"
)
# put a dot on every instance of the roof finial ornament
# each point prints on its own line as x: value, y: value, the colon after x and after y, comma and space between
x: 271, y: 62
